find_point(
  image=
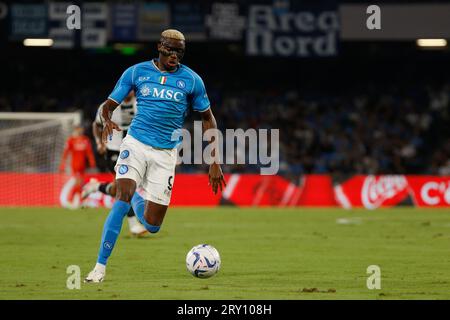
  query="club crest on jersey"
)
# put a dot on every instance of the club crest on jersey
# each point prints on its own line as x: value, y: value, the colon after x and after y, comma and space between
x: 181, y: 84
x: 124, y: 154
x: 145, y: 90
x: 123, y: 169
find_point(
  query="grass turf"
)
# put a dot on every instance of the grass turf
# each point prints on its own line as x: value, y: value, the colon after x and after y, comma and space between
x: 270, y: 253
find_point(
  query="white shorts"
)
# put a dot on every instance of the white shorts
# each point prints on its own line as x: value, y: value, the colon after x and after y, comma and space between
x: 154, y: 168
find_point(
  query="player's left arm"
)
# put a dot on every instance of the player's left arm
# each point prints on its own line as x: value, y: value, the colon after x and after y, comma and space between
x: 216, y: 179
x: 200, y: 103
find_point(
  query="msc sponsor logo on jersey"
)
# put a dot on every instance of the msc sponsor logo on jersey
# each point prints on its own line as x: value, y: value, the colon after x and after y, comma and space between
x: 162, y: 93
x: 167, y: 94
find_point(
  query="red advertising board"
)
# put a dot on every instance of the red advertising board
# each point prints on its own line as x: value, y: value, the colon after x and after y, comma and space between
x: 371, y: 192
x: 430, y: 191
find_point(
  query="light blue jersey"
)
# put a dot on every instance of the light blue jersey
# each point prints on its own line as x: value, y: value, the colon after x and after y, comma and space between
x: 163, y: 99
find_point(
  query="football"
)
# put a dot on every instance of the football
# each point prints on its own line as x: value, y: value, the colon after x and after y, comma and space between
x: 203, y: 261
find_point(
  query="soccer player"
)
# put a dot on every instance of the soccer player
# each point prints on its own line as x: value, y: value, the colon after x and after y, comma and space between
x: 164, y: 89
x: 79, y: 148
x: 110, y: 150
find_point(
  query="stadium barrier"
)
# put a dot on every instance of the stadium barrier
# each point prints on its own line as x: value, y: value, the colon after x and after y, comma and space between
x: 371, y: 192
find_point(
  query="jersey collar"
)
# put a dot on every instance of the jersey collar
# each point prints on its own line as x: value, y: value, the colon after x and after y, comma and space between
x: 157, y: 69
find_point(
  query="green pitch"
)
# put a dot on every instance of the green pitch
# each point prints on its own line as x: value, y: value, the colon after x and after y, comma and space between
x: 269, y: 253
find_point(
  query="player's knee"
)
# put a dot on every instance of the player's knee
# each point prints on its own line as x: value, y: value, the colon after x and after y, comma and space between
x: 124, y: 193
x: 124, y: 196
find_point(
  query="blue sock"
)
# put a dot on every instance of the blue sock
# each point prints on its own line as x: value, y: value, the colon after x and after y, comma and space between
x: 111, y: 229
x: 138, y: 204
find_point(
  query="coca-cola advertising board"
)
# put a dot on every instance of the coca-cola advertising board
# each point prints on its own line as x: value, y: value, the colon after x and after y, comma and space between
x: 430, y: 191
x: 372, y: 192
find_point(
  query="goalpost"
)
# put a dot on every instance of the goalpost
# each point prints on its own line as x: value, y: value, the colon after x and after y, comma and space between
x: 31, y: 146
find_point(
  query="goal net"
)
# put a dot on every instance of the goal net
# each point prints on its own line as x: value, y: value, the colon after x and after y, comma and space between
x: 31, y: 147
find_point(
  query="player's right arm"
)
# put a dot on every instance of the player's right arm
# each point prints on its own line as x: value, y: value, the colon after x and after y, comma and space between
x: 108, y: 125
x: 97, y: 130
x: 121, y: 90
